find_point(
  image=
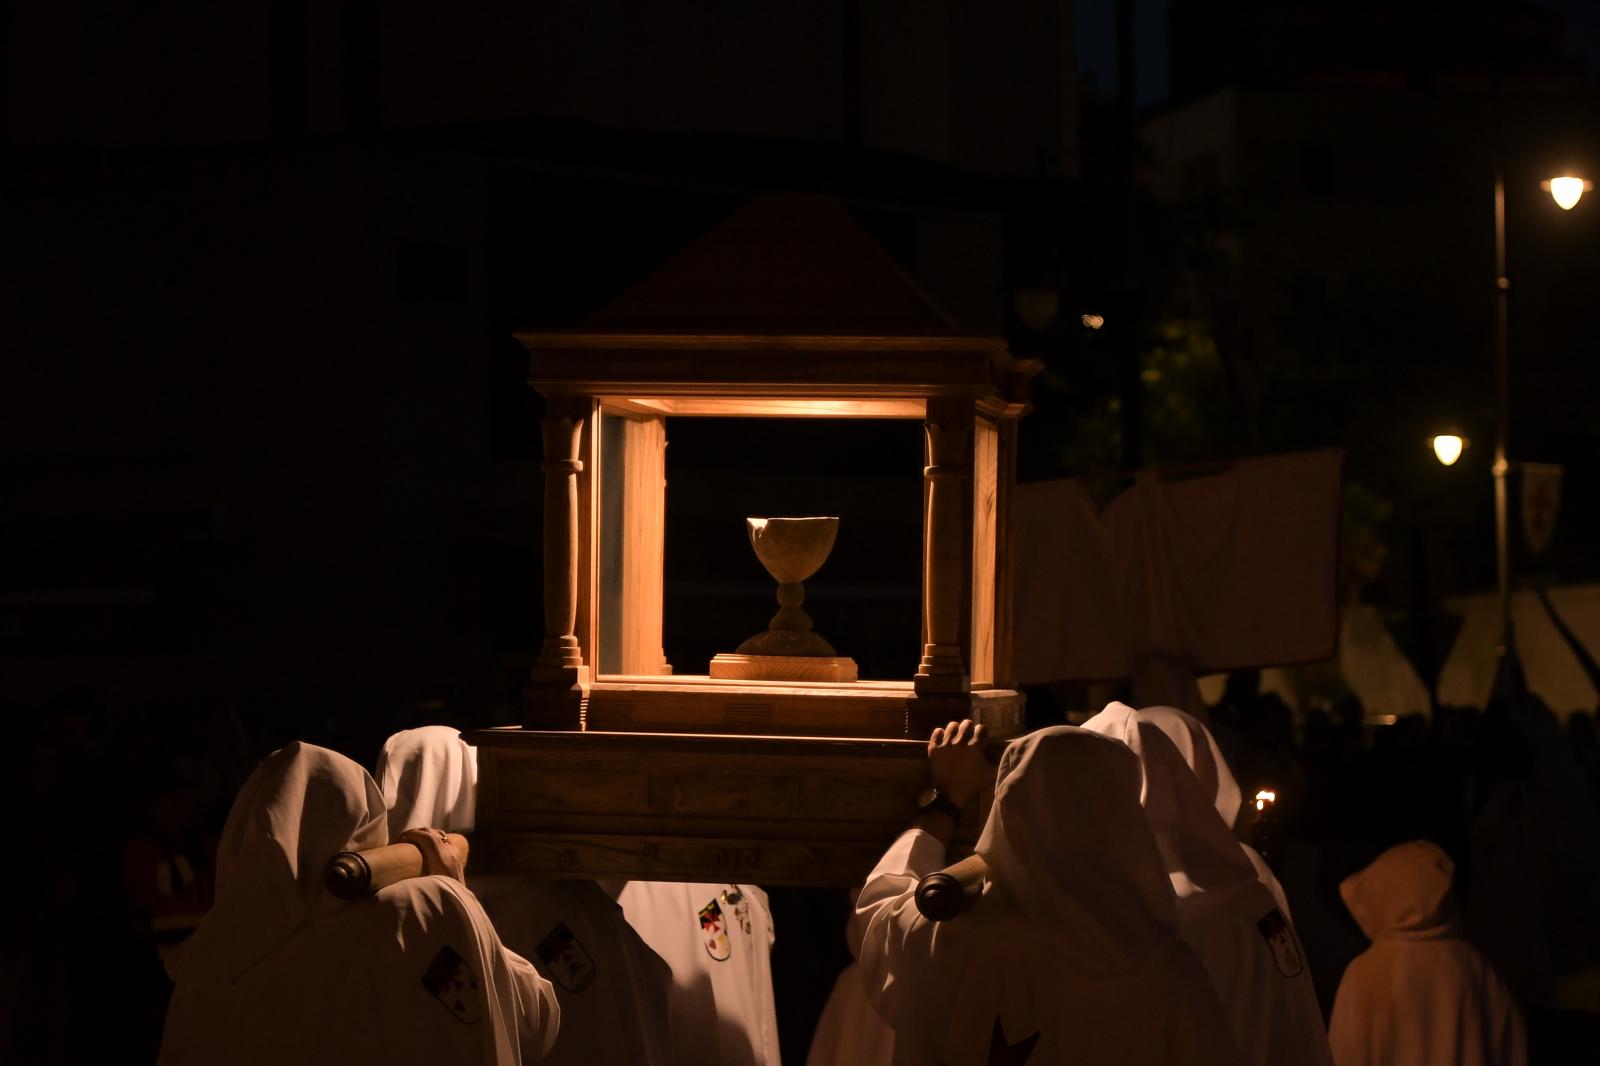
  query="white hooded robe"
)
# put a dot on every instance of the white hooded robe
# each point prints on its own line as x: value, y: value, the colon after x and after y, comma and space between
x: 1226, y: 915
x: 280, y: 971
x: 849, y: 1032
x: 718, y: 941
x: 1420, y: 994
x: 612, y: 987
x: 1072, y: 953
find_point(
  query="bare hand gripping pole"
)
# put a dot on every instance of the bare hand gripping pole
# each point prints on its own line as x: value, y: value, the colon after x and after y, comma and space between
x: 352, y: 874
x: 947, y: 893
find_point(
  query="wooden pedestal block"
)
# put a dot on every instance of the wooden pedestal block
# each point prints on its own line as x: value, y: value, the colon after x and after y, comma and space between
x: 730, y: 666
x: 671, y: 807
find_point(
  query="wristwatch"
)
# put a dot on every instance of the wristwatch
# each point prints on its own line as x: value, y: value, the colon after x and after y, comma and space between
x: 934, y: 800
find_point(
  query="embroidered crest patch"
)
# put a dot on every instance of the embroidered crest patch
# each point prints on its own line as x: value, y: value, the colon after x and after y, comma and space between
x: 714, y: 931
x: 732, y: 897
x: 452, y: 982
x: 1279, y: 935
x: 568, y: 961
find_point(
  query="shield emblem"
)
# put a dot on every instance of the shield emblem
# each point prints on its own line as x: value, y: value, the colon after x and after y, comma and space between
x: 714, y: 931
x: 566, y: 959
x: 1279, y: 935
x: 452, y: 982
x: 1541, y: 500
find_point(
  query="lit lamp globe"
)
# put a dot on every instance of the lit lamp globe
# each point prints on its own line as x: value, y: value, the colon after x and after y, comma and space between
x: 1447, y: 447
x: 1566, y: 190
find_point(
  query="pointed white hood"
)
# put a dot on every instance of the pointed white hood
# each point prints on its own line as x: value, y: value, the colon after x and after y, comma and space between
x: 302, y: 804
x: 1062, y: 794
x: 1227, y: 916
x: 1201, y: 855
x: 1199, y: 749
x: 429, y: 777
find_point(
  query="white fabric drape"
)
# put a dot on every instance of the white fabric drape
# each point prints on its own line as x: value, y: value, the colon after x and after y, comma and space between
x: 1217, y: 570
x: 1071, y: 955
x: 1226, y: 915
x: 1420, y: 994
x: 613, y: 988
x: 281, y: 971
x: 718, y: 940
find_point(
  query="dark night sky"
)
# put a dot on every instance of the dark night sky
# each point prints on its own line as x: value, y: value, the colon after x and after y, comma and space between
x: 1097, y: 41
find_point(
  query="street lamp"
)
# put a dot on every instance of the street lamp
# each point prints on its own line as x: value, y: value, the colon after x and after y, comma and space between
x: 1566, y: 190
x: 1447, y: 447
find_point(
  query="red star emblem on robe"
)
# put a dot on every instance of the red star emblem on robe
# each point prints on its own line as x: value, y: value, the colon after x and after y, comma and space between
x: 1004, y: 1053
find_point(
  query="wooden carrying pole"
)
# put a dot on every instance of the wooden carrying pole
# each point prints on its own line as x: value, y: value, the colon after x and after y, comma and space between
x: 353, y: 874
x: 947, y: 893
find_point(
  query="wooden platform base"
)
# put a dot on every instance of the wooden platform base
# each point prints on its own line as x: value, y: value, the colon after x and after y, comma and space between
x: 673, y: 807
x: 731, y: 666
x: 671, y: 703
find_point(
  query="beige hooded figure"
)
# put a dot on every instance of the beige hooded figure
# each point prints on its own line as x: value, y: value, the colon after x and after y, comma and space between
x: 1226, y: 915
x: 1072, y: 953
x: 613, y: 988
x: 280, y: 971
x: 1420, y: 994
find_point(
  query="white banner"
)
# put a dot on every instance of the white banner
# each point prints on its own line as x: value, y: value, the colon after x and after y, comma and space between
x: 1234, y: 568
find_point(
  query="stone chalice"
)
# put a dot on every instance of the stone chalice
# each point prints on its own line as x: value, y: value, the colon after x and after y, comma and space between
x: 792, y: 549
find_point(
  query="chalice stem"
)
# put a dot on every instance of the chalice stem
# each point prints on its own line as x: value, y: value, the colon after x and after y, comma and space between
x: 791, y: 616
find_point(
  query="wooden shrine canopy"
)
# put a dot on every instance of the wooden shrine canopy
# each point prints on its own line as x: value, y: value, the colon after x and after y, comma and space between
x: 788, y: 309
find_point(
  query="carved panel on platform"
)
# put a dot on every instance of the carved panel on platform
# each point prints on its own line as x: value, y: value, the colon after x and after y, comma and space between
x: 773, y: 810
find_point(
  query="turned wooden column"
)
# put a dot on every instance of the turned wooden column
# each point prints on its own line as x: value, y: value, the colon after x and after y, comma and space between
x: 942, y: 683
x: 556, y: 696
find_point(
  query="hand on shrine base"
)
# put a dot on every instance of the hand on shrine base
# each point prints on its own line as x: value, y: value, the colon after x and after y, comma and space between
x: 439, y: 855
x: 956, y: 760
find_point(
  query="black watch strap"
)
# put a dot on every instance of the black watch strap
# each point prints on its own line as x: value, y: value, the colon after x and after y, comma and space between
x: 934, y: 800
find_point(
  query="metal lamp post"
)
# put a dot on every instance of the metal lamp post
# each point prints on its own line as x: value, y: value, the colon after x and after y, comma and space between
x: 1502, y: 414
x: 1566, y: 190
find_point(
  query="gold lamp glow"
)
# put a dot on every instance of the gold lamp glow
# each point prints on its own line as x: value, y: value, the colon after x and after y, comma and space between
x: 1447, y: 447
x: 1265, y: 798
x: 1566, y: 190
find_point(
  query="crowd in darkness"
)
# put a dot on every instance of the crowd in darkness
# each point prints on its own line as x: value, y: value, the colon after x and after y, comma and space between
x: 135, y: 803
x: 1510, y: 792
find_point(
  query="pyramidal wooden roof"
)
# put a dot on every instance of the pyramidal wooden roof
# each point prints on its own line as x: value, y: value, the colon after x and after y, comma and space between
x: 788, y: 298
x: 780, y: 264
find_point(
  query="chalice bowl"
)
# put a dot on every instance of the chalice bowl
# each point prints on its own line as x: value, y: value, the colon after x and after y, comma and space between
x: 792, y: 549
